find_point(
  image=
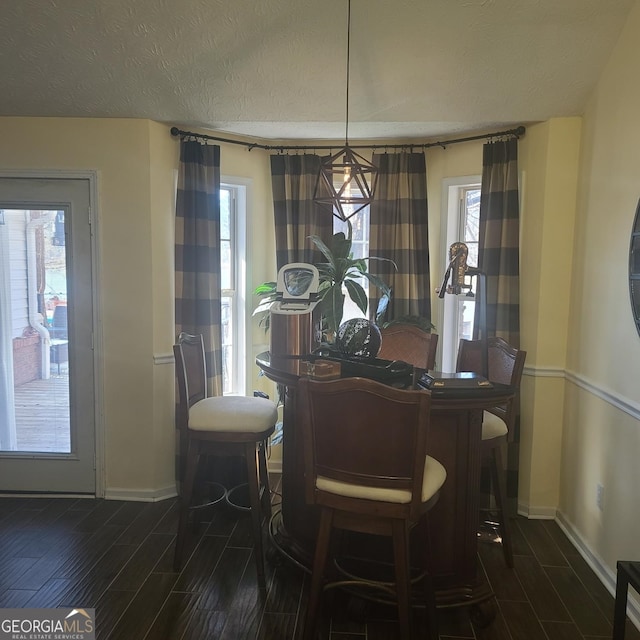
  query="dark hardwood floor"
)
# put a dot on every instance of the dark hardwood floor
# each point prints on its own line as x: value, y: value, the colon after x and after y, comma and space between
x: 116, y: 557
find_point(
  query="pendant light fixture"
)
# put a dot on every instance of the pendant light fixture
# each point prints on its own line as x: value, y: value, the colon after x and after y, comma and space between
x: 346, y: 182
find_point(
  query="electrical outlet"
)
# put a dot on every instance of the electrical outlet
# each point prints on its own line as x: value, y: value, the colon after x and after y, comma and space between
x: 600, y: 497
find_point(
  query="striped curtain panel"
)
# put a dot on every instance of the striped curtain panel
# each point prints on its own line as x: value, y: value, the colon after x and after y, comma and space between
x: 498, y: 252
x: 293, y: 181
x: 499, y: 258
x: 399, y: 231
x: 197, y: 252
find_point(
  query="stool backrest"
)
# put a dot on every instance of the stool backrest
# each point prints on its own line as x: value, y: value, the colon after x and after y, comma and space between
x: 364, y: 433
x: 191, y: 370
x: 409, y: 343
x: 506, y: 364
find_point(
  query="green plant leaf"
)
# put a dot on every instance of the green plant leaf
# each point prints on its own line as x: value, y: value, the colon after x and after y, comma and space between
x: 342, y: 269
x: 383, y: 303
x: 357, y: 294
x: 263, y: 306
x: 359, y: 264
x: 378, y: 282
x: 265, y: 289
x: 332, y: 306
x: 341, y: 247
x: 326, y: 252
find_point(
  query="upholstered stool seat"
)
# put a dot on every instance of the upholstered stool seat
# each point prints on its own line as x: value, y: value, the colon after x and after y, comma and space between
x: 234, y: 414
x: 493, y: 427
x: 432, y: 479
x: 221, y: 426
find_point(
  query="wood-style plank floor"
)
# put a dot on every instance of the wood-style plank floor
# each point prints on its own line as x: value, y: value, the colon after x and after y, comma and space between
x: 116, y: 557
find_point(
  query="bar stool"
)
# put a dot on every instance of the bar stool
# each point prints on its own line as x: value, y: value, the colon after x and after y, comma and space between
x: 367, y: 470
x: 505, y: 364
x: 221, y: 426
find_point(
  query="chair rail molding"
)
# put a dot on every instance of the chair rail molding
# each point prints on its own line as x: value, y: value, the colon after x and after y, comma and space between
x: 544, y: 372
x: 163, y: 358
x: 629, y: 406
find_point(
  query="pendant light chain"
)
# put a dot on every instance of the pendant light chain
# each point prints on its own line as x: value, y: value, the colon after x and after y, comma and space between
x: 346, y: 181
x: 346, y: 126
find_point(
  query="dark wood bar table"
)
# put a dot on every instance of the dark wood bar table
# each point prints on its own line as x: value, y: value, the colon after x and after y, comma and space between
x: 445, y: 542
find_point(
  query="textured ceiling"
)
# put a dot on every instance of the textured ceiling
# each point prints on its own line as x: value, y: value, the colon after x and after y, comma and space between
x: 276, y: 69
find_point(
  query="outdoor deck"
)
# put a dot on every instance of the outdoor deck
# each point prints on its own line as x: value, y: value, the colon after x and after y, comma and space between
x: 42, y: 414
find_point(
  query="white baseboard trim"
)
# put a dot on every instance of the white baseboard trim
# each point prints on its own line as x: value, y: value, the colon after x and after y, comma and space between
x: 536, y: 513
x: 274, y: 466
x: 141, y: 495
x: 607, y: 576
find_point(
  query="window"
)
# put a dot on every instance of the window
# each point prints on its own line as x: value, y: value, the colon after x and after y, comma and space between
x: 461, y: 197
x: 232, y: 261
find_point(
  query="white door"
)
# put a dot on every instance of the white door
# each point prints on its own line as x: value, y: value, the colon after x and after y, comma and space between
x: 47, y: 390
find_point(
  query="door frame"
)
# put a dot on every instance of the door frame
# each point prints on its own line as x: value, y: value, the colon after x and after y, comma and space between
x: 92, y: 177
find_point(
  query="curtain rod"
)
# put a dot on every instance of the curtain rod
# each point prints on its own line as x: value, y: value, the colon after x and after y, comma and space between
x: 517, y: 132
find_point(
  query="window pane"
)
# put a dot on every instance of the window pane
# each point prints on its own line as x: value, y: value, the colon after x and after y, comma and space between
x: 225, y: 214
x: 466, y: 309
x: 360, y: 224
x: 472, y: 258
x: 227, y: 342
x: 229, y: 317
x: 226, y: 265
x: 472, y: 215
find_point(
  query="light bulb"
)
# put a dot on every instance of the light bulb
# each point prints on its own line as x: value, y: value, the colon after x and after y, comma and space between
x: 347, y: 181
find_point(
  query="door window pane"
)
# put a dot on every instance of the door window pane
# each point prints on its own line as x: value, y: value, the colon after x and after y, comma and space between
x: 37, y: 358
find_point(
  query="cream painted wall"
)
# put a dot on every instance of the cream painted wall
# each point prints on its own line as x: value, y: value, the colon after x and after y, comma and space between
x: 601, y: 435
x: 163, y: 174
x: 549, y: 161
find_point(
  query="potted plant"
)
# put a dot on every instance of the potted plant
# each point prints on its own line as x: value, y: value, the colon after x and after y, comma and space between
x: 340, y: 270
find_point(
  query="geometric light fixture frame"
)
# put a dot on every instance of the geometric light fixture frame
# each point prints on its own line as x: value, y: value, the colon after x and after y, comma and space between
x: 346, y: 181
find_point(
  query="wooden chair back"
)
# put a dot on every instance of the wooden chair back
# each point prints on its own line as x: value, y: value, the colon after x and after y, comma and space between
x: 505, y: 365
x: 409, y: 343
x: 191, y: 369
x: 365, y: 433
x: 191, y: 374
